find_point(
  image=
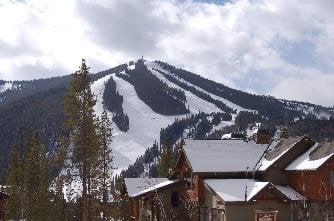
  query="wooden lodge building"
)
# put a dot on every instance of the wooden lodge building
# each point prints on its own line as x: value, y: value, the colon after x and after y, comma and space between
x: 236, y: 180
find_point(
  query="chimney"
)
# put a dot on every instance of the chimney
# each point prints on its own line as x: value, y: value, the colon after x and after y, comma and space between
x: 262, y: 136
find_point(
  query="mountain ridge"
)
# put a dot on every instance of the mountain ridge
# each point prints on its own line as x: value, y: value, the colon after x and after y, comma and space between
x: 149, y: 102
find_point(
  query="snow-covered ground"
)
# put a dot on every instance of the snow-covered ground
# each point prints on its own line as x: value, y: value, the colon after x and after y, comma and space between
x: 144, y: 123
x: 194, y: 103
x: 6, y: 86
x: 309, y: 110
x: 152, y: 65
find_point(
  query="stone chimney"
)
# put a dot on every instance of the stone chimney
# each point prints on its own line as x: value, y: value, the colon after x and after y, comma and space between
x: 262, y: 136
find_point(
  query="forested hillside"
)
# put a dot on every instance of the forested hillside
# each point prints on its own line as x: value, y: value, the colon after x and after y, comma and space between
x: 151, y: 103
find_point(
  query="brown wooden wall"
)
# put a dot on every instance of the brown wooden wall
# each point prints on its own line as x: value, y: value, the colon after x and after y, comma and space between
x: 315, y: 185
x: 195, y: 192
x: 133, y: 208
x: 246, y: 211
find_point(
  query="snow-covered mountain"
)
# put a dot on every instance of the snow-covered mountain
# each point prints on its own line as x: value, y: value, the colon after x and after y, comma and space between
x: 144, y: 123
x: 149, y: 101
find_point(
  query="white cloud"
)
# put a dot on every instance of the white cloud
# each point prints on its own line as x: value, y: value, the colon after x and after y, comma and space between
x: 253, y: 45
x: 313, y: 88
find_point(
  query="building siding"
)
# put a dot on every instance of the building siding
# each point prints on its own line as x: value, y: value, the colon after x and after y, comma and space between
x: 315, y: 185
x: 246, y: 212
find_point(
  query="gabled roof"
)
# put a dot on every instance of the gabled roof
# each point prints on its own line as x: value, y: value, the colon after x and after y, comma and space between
x: 139, y: 186
x: 278, y: 151
x: 223, y: 155
x: 314, y: 158
x: 290, y: 193
x: 228, y: 156
x: 234, y: 190
x: 244, y: 190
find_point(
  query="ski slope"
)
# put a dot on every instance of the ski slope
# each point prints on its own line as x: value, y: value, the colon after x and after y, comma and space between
x: 144, y: 124
x: 153, y: 65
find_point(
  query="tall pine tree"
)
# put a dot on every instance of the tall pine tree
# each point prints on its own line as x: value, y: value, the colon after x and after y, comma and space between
x: 166, y: 159
x: 15, y: 187
x: 104, y: 166
x: 36, y: 181
x: 84, y: 145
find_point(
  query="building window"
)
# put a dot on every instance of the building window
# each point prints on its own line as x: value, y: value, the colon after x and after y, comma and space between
x: 332, y: 178
x: 175, y: 199
x: 189, y: 180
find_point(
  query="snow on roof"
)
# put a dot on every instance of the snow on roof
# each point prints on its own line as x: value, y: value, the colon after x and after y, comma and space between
x: 304, y: 162
x: 222, y: 155
x: 227, y: 136
x: 290, y: 193
x: 322, y: 151
x: 234, y: 190
x: 280, y: 148
x: 139, y: 186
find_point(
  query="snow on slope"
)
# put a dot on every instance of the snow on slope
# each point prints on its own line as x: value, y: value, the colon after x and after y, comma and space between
x: 195, y: 103
x: 98, y: 88
x: 309, y: 110
x: 144, y: 123
x: 6, y: 86
x: 153, y: 65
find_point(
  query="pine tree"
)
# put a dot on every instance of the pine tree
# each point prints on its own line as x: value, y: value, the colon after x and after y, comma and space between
x: 60, y: 207
x: 14, y: 183
x: 104, y: 167
x: 57, y: 202
x: 166, y: 160
x: 36, y: 181
x: 80, y: 121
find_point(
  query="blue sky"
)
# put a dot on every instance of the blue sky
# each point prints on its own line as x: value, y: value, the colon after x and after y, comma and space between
x: 281, y: 48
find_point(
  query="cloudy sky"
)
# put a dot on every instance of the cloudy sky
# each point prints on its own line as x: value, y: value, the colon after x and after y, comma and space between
x: 282, y: 48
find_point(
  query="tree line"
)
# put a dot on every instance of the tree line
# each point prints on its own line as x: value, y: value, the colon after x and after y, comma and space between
x: 155, y: 93
x: 73, y: 182
x: 113, y: 102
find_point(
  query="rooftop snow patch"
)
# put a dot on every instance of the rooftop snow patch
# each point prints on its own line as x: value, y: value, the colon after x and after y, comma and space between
x: 305, y: 162
x: 277, y: 151
x: 236, y: 190
x: 227, y: 136
x: 241, y: 190
x: 323, y: 150
x: 282, y: 146
x: 139, y: 186
x: 223, y: 155
x: 290, y: 193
